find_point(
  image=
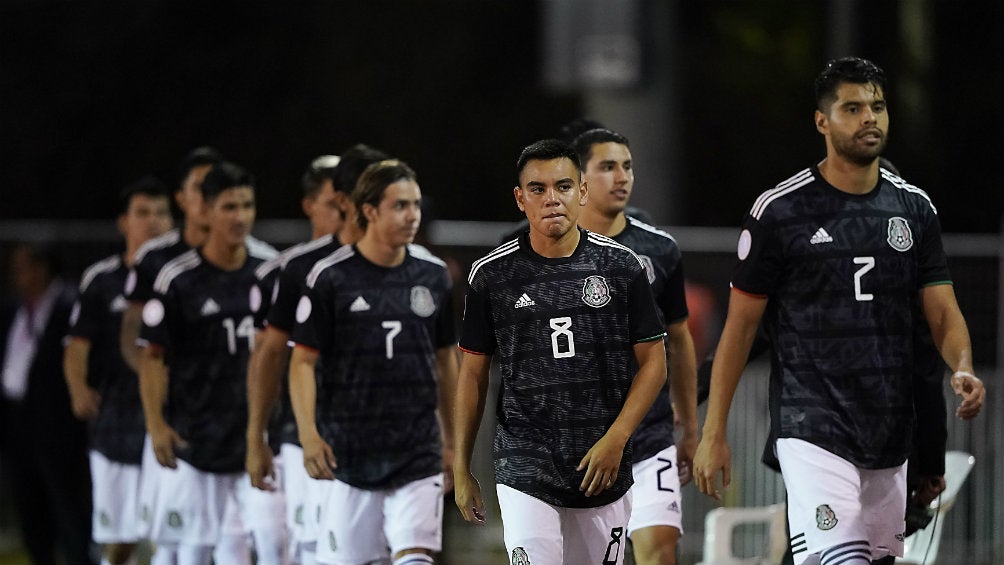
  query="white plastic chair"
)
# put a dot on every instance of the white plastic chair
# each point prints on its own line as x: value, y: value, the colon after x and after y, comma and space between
x: 721, y: 522
x: 921, y: 548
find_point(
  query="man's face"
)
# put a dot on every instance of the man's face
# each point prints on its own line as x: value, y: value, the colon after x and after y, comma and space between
x: 323, y: 209
x: 397, y: 218
x: 857, y: 123
x: 551, y: 193
x: 231, y: 215
x: 610, y: 177
x: 189, y: 196
x: 146, y: 218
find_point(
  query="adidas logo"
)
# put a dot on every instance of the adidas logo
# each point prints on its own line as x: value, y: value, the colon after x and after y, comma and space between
x: 359, y: 305
x: 525, y: 301
x: 820, y: 237
x: 674, y: 507
x: 210, y: 307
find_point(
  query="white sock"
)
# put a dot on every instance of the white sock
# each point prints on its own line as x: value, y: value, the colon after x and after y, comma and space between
x: 414, y: 559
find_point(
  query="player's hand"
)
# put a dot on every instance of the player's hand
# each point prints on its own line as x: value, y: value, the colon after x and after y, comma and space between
x: 447, y: 469
x: 259, y: 464
x: 970, y: 388
x: 685, y: 450
x: 318, y: 458
x: 601, y: 463
x: 926, y: 489
x: 467, y: 494
x: 164, y: 440
x: 712, y: 457
x: 85, y: 402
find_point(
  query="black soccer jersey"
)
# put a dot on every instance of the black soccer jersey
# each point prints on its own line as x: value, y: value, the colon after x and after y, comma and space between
x: 150, y: 258
x: 842, y: 272
x: 205, y: 318
x: 377, y: 330
x: 664, y: 266
x: 118, y: 430
x: 564, y: 332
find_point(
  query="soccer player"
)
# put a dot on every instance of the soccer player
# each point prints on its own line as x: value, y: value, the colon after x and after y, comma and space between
x: 378, y: 317
x: 834, y: 260
x: 327, y: 185
x: 656, y: 520
x: 103, y: 389
x: 570, y: 315
x: 198, y: 329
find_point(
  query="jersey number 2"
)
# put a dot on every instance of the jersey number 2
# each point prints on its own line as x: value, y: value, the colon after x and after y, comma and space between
x: 868, y: 263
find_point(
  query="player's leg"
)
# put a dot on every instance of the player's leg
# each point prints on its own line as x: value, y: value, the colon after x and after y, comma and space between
x: 233, y: 545
x: 824, y: 505
x: 150, y: 477
x: 294, y: 483
x: 264, y: 515
x: 115, y: 490
x: 883, y: 497
x: 317, y: 494
x: 413, y: 521
x: 188, y: 512
x: 351, y: 526
x: 656, y: 519
x: 596, y: 535
x: 531, y: 528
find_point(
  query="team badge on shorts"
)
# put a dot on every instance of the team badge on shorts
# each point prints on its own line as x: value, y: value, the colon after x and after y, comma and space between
x: 519, y: 557
x: 825, y: 518
x: 422, y: 302
x: 595, y: 291
x: 331, y: 540
x: 174, y: 519
x: 900, y: 237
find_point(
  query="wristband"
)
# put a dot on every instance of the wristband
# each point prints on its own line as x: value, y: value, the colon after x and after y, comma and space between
x: 964, y: 374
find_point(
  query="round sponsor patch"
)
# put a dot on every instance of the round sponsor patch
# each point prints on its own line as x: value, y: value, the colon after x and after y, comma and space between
x: 254, y: 298
x: 153, y: 313
x: 130, y: 284
x: 303, y: 309
x: 745, y: 243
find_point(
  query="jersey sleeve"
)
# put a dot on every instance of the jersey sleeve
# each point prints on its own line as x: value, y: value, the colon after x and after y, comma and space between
x: 139, y: 282
x: 157, y: 318
x: 932, y: 262
x: 288, y: 290
x: 446, y: 333
x: 266, y: 284
x: 672, y: 300
x: 85, y: 321
x: 760, y: 258
x: 478, y: 335
x: 645, y: 322
x: 314, y: 317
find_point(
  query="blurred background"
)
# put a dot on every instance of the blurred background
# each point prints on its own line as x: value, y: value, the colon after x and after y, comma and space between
x: 715, y: 97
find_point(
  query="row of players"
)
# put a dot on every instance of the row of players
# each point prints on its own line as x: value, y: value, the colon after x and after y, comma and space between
x: 382, y: 408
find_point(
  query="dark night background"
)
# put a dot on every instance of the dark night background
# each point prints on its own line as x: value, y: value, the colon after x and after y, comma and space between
x: 94, y: 95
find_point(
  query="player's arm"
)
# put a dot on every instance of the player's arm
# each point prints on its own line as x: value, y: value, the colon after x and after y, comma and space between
x: 683, y: 389
x: 153, y: 393
x: 446, y: 377
x: 132, y: 322
x: 84, y: 399
x: 713, y: 454
x: 602, y: 462
x: 318, y: 458
x: 469, y: 407
x: 264, y: 380
x: 951, y: 336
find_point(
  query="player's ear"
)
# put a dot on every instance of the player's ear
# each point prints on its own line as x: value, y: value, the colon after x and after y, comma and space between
x: 369, y: 211
x: 583, y: 193
x: 822, y: 122
x: 517, y: 193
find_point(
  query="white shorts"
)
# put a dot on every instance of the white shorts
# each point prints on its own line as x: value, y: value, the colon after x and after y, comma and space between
x: 149, y: 479
x: 191, y: 505
x: 833, y: 503
x: 360, y: 525
x: 261, y: 509
x: 657, y: 500
x: 542, y: 534
x: 304, y: 496
x: 115, y: 488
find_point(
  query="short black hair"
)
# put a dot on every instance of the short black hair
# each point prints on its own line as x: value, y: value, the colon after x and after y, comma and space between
x: 546, y: 150
x: 354, y: 161
x: 584, y: 143
x: 321, y: 169
x: 569, y: 131
x: 224, y: 175
x: 149, y: 185
x: 846, y: 69
x: 204, y: 155
x: 374, y: 181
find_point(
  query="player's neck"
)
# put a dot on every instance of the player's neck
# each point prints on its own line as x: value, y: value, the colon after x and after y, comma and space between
x: 129, y: 257
x: 604, y: 224
x: 349, y: 234
x: 554, y: 248
x: 380, y: 252
x: 224, y: 255
x: 194, y: 234
x: 849, y: 177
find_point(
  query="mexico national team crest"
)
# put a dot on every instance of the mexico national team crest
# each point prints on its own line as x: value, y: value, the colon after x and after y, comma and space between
x: 519, y: 557
x: 649, y: 267
x: 422, y: 302
x: 595, y: 291
x: 900, y: 237
x: 826, y: 519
